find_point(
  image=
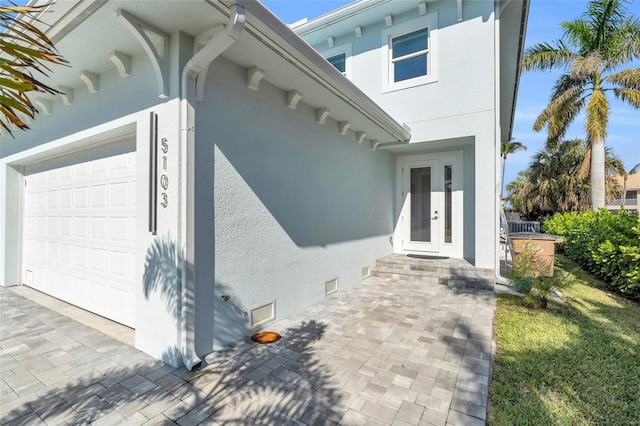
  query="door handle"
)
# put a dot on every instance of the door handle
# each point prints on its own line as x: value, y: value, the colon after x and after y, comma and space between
x: 435, y: 215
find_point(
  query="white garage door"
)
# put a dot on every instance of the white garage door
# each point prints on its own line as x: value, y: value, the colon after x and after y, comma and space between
x: 79, y: 229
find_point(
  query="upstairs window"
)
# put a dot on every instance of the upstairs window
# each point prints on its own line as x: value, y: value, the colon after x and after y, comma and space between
x: 340, y: 62
x: 409, y: 55
x: 340, y: 58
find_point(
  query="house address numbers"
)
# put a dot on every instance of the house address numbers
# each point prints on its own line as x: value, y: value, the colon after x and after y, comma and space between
x: 164, y: 179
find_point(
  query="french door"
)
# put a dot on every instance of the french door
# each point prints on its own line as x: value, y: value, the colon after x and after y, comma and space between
x: 422, y: 206
x: 431, y: 217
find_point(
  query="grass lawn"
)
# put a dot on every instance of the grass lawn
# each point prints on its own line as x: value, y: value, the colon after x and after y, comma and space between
x: 574, y: 364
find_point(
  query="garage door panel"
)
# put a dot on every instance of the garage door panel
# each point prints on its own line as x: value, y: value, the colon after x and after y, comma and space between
x: 79, y: 230
x: 99, y: 228
x: 52, y: 226
x: 99, y: 196
x: 99, y: 260
x: 52, y: 252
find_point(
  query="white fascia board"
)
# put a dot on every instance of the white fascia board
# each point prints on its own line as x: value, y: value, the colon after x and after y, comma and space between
x: 263, y: 25
x: 337, y: 15
x: 523, y: 31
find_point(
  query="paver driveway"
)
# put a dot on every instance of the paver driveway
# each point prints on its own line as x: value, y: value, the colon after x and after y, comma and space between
x: 382, y: 352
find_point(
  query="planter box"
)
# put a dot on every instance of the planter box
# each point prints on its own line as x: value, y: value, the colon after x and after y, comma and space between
x: 542, y: 244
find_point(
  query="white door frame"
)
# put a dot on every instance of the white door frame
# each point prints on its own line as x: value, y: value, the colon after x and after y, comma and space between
x: 450, y: 245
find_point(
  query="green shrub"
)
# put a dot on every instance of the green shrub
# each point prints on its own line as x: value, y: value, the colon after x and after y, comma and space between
x: 605, y: 244
x: 541, y: 293
x: 523, y: 285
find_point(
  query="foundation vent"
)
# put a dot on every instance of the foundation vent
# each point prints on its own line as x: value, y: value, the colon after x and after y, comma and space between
x: 262, y: 313
x: 330, y: 286
x: 366, y: 272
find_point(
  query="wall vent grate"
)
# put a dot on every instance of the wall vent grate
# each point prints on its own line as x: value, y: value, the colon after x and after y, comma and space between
x: 366, y: 272
x: 262, y: 313
x: 330, y: 286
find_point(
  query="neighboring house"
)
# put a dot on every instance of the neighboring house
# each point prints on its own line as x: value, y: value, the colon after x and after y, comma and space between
x: 633, y: 192
x: 206, y: 171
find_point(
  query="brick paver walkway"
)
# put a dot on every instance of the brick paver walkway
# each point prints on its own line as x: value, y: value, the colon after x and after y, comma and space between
x: 383, y: 352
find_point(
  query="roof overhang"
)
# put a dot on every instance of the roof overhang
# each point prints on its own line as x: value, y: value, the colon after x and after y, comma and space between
x: 512, y: 19
x: 86, y: 31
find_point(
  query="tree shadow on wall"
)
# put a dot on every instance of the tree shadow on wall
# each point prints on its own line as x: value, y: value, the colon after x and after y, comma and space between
x: 162, y: 274
x: 218, y: 318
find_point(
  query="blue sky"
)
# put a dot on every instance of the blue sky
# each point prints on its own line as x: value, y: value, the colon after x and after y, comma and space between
x: 545, y: 17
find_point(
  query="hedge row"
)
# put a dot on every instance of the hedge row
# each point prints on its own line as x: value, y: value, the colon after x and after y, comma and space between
x: 605, y: 244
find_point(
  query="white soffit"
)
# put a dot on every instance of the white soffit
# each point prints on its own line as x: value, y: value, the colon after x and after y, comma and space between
x: 267, y: 43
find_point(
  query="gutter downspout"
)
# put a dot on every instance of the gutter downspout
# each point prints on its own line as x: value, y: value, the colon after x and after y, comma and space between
x: 523, y: 28
x: 190, y: 75
x: 497, y: 138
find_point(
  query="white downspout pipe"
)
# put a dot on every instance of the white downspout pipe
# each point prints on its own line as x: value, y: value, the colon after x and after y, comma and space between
x: 497, y: 138
x: 190, y: 75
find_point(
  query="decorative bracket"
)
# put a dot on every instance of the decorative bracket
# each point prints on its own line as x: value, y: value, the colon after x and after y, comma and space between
x: 343, y: 126
x: 374, y: 145
x: 322, y: 114
x: 254, y: 76
x: 388, y: 20
x: 459, y: 10
x: 358, y: 31
x: 361, y: 136
x: 293, y: 97
x: 45, y: 105
x: 155, y: 44
x: 91, y: 80
x: 122, y: 63
x: 422, y: 8
x: 330, y: 41
x: 66, y: 93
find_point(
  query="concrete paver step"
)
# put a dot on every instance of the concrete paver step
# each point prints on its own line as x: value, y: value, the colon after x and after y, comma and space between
x: 451, y: 272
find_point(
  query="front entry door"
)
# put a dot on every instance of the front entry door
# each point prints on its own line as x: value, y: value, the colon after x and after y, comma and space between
x: 421, y: 188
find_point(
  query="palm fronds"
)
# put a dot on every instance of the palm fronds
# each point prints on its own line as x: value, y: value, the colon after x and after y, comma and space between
x: 592, y: 49
x: 24, y: 50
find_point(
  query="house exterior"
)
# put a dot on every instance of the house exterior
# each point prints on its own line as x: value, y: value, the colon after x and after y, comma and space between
x: 206, y: 170
x: 633, y: 191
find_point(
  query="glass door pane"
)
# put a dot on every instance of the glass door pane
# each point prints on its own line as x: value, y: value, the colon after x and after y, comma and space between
x: 448, y: 203
x: 421, y: 204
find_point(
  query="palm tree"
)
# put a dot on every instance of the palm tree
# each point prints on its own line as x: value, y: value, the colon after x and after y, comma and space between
x: 520, y: 195
x: 23, y: 49
x: 552, y: 183
x: 506, y: 148
x: 592, y: 53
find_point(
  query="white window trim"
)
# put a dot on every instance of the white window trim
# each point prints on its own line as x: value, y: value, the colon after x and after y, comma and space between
x: 429, y: 22
x: 343, y: 48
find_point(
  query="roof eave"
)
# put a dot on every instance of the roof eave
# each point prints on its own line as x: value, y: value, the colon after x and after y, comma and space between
x: 336, y: 15
x: 269, y: 27
x: 523, y: 32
